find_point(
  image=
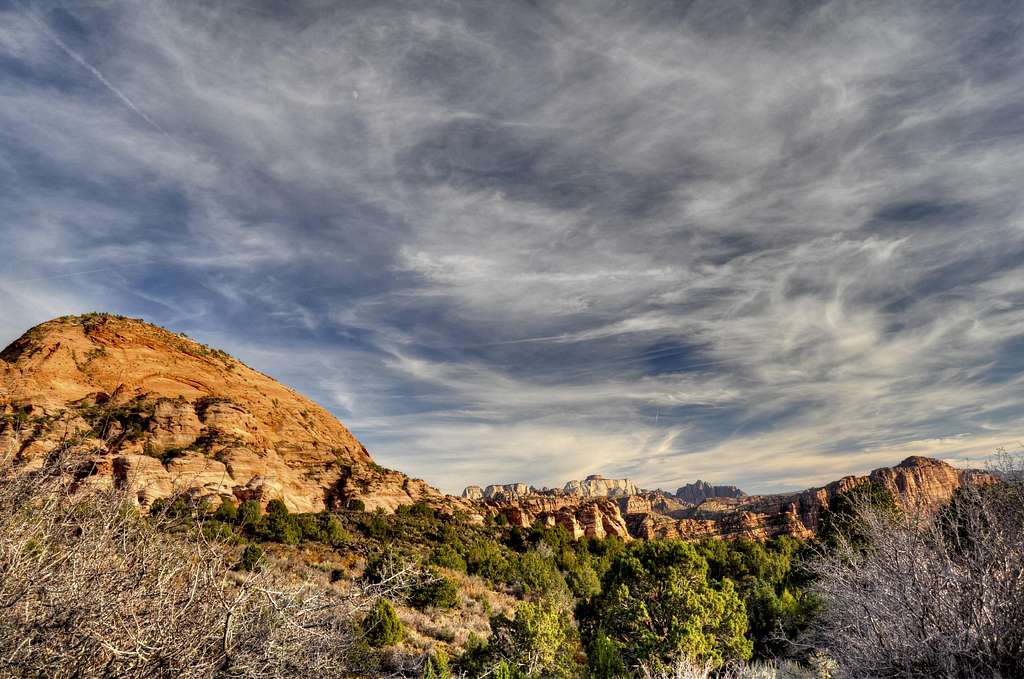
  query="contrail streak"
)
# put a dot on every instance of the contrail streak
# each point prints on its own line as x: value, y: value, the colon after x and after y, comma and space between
x: 76, y: 273
x: 92, y: 69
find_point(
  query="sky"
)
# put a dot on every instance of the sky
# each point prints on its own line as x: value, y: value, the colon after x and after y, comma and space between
x: 758, y: 243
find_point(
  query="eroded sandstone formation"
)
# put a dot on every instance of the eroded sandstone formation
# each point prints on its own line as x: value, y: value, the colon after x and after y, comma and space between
x: 473, y: 493
x: 162, y: 413
x: 596, y: 485
x: 596, y: 518
x: 507, y: 491
x: 159, y: 413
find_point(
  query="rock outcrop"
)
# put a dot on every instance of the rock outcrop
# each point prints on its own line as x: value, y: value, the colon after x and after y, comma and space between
x: 695, y: 493
x: 508, y: 491
x: 926, y: 481
x: 158, y: 413
x: 593, y: 517
x: 473, y: 493
x: 596, y: 485
x: 162, y: 413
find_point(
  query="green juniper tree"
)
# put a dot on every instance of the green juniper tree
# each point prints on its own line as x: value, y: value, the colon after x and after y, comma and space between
x: 840, y: 523
x: 436, y: 666
x: 381, y: 626
x: 656, y: 603
x: 539, y: 640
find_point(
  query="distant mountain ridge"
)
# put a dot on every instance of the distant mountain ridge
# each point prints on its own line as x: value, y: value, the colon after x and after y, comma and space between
x: 697, y: 492
x: 595, y: 486
x: 700, y: 509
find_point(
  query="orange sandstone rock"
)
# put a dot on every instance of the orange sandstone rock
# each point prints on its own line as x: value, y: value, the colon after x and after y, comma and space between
x: 166, y: 414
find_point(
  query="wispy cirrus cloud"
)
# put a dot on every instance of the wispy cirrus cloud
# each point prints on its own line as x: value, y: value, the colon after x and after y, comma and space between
x: 765, y: 243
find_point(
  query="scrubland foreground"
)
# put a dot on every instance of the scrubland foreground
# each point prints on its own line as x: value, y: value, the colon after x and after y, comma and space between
x: 91, y: 588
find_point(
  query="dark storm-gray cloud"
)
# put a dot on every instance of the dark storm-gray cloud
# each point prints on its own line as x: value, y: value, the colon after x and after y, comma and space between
x: 767, y: 243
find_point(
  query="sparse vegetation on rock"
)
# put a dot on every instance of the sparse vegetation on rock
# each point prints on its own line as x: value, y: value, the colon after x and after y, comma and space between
x: 131, y: 392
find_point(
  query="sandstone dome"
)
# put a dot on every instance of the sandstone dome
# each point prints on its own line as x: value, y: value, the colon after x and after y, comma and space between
x: 162, y: 412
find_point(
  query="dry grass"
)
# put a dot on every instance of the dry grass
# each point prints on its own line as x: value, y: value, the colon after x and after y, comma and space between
x: 89, y: 588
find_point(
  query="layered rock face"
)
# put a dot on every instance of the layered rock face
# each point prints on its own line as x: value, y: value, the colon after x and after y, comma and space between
x: 593, y: 517
x: 651, y: 501
x: 473, y: 493
x: 162, y: 413
x: 596, y: 485
x: 695, y: 493
x: 593, y: 507
x: 508, y: 491
x: 499, y: 492
x: 926, y: 482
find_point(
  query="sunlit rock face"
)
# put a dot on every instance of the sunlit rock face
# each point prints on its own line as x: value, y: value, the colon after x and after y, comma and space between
x: 923, y: 481
x: 507, y: 491
x: 158, y: 413
x: 161, y: 413
x: 591, y: 517
x: 473, y: 493
x: 598, y: 486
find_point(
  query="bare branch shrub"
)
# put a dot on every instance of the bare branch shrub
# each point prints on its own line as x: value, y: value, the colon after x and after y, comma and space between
x: 89, y: 588
x: 933, y: 593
